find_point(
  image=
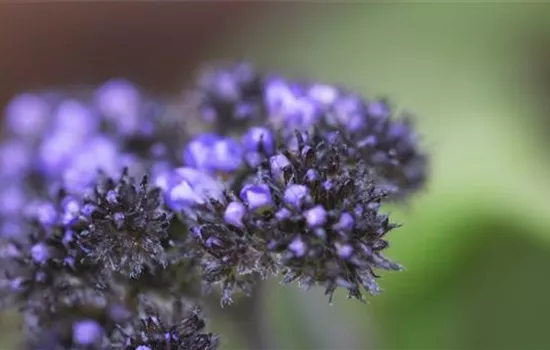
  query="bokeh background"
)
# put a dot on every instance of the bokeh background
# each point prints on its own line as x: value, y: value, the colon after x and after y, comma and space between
x: 476, y: 243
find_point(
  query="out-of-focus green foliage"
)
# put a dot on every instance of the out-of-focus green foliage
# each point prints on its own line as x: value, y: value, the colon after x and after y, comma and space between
x: 476, y: 244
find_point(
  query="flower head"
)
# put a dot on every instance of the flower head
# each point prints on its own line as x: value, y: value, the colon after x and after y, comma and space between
x: 127, y: 227
x: 281, y: 177
x: 178, y: 328
x: 328, y: 229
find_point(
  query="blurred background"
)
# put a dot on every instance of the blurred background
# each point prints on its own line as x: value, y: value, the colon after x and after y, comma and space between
x: 476, y: 243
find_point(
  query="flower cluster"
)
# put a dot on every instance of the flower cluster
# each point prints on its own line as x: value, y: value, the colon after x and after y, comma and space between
x: 116, y: 220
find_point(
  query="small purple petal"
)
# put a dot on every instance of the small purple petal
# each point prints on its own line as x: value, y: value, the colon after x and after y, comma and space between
x: 99, y: 153
x: 87, y: 332
x: 11, y: 228
x: 344, y: 251
x: 283, y: 214
x: 119, y: 219
x: 68, y: 236
x: 188, y: 186
x: 75, y: 118
x: 39, y: 253
x: 345, y: 223
x: 277, y: 94
x: 46, y: 214
x: 198, y: 151
x: 15, y: 158
x: 16, y: 284
x: 278, y: 164
x: 286, y: 106
x: 27, y: 115
x: 312, y: 175
x: 398, y: 131
x: 56, y: 152
x: 316, y: 216
x: 88, y: 209
x: 367, y: 142
x: 256, y: 196
x: 119, y: 102
x: 378, y: 110
x: 328, y: 185
x: 71, y: 210
x: 222, y: 84
x: 259, y: 139
x: 112, y: 197
x: 298, y: 247
x: 69, y: 261
x: 12, y: 200
x: 296, y: 196
x: 234, y: 214
x: 323, y: 94
x: 226, y: 156
x: 348, y: 111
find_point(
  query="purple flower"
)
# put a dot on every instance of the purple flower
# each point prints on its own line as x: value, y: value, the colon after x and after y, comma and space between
x: 213, y: 153
x: 88, y: 209
x: 312, y: 175
x: 348, y: 112
x: 344, y: 251
x: 12, y: 200
x: 15, y: 158
x: 111, y: 196
x: 278, y: 165
x: 87, y: 332
x: 223, y: 85
x: 44, y: 212
x: 316, y: 216
x: 257, y: 197
x: 226, y: 156
x: 257, y: 142
x: 259, y: 139
x: 98, y: 154
x: 75, y: 118
x: 39, y: 253
x: 56, y: 151
x: 323, y: 94
x: 296, y: 196
x: 11, y: 228
x: 345, y: 223
x: 298, y: 247
x: 71, y: 210
x: 234, y: 214
x: 378, y: 110
x: 288, y: 107
x: 187, y: 187
x: 277, y: 95
x: 27, y: 115
x: 198, y: 150
x: 119, y: 102
x: 283, y: 214
x: 119, y: 219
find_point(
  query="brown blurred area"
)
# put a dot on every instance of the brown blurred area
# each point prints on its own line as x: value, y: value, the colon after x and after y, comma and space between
x: 152, y: 44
